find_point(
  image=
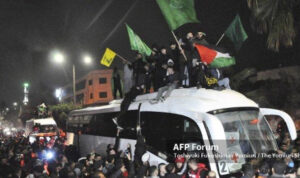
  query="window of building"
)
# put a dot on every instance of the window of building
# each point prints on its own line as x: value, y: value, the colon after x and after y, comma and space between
x: 102, y: 80
x: 102, y: 94
x: 90, y: 82
x: 91, y: 95
x: 80, y: 85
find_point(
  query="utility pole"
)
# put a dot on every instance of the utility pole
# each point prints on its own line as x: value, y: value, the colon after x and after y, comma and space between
x: 74, y: 85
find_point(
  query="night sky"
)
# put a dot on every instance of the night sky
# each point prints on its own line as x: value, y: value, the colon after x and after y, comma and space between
x: 31, y: 29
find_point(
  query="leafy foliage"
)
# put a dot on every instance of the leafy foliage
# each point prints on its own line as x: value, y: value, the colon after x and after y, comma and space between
x: 274, y: 18
x: 60, y: 112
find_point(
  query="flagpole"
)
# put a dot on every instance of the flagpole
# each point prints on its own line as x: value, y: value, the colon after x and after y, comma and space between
x: 179, y: 46
x: 125, y: 60
x: 220, y: 39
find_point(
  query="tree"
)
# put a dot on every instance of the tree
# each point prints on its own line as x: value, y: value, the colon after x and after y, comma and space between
x: 274, y: 18
x: 60, y: 112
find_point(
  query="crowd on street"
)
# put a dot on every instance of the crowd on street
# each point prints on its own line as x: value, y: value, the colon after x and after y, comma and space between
x: 51, y: 158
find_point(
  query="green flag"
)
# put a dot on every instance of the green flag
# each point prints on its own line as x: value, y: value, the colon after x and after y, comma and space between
x: 178, y: 12
x: 137, y: 44
x: 236, y: 33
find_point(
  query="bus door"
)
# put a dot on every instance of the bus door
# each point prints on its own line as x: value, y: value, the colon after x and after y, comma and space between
x: 218, y: 142
x: 285, y: 117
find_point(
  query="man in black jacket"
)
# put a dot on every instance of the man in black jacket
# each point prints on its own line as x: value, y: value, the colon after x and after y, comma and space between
x: 138, y: 67
x: 117, y: 83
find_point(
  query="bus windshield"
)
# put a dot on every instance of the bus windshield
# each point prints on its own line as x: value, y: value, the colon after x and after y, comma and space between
x: 247, y: 133
x: 44, y: 128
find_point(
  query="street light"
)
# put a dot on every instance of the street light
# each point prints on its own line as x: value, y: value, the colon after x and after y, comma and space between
x: 59, y: 58
x: 87, y: 59
x: 58, y: 94
x: 26, y: 85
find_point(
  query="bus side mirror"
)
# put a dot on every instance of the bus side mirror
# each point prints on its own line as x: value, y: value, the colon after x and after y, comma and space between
x: 287, y: 119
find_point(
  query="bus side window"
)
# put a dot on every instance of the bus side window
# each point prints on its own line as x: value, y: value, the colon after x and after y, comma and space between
x: 102, y: 124
x: 73, y: 124
x: 163, y: 130
x: 129, y: 124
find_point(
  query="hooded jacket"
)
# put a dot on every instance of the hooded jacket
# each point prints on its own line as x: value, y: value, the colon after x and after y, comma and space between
x: 201, y: 172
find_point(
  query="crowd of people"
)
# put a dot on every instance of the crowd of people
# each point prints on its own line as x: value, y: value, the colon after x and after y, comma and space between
x: 51, y: 158
x: 170, y: 67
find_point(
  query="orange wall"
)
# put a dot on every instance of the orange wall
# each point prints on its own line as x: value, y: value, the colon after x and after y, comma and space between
x: 93, y: 89
x: 96, y: 87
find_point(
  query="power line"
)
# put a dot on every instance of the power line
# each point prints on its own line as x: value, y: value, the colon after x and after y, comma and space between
x: 119, y: 23
x: 100, y: 12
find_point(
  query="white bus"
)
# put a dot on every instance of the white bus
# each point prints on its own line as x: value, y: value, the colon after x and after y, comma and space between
x: 225, y: 121
x: 47, y: 127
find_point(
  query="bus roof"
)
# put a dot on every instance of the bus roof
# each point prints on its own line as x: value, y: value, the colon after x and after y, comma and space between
x: 184, y: 99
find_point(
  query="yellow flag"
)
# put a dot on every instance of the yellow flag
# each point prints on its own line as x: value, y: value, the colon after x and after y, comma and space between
x: 108, y: 57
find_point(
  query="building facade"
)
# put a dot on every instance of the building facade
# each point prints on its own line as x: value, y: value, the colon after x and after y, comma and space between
x: 92, y: 89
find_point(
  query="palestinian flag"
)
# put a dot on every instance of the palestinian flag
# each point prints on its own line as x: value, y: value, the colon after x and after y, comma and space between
x: 214, y: 58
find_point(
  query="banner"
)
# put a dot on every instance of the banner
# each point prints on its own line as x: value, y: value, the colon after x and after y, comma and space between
x: 178, y: 12
x: 236, y: 33
x: 137, y: 44
x: 108, y: 57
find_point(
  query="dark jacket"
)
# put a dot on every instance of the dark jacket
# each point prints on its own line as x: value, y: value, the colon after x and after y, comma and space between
x: 172, y: 78
x: 175, y: 57
x: 172, y: 175
x: 140, y: 149
x: 117, y: 79
x: 142, y: 171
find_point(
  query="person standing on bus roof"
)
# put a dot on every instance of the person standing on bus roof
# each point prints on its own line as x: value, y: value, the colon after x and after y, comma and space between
x: 148, y: 78
x: 117, y: 83
x: 138, y: 68
x: 128, y: 74
x: 129, y: 97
